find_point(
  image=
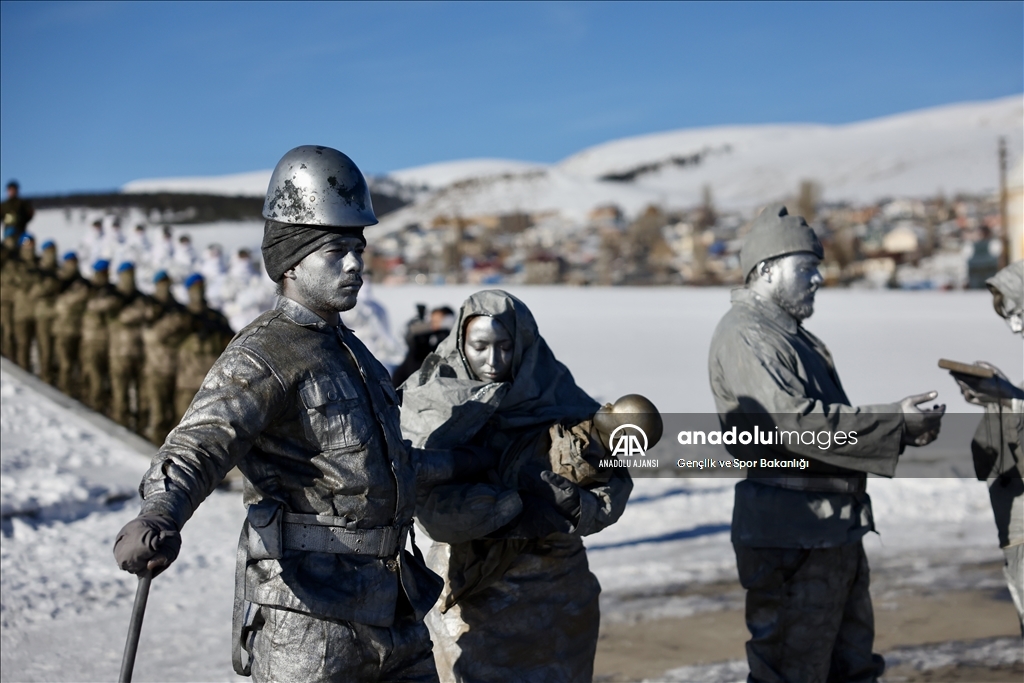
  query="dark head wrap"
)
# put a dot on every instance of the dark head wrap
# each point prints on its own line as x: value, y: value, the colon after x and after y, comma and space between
x: 445, y: 405
x: 285, y: 244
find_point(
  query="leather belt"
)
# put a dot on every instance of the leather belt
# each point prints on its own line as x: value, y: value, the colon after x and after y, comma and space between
x: 823, y: 484
x: 326, y: 534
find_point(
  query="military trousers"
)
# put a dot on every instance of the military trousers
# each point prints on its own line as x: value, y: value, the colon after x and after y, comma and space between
x: 124, y: 376
x: 95, y: 359
x: 68, y: 368
x: 809, y: 614
x: 24, y: 333
x: 7, y: 343
x: 293, y: 646
x: 44, y: 341
x: 158, y: 390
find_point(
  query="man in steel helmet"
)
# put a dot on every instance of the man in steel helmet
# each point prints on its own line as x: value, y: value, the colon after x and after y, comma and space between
x: 325, y: 589
x: 797, y: 533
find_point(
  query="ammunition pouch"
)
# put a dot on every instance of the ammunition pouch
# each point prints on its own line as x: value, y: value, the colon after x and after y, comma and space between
x: 266, y: 533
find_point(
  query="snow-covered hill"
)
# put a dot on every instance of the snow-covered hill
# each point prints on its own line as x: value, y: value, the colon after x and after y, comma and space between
x: 946, y: 149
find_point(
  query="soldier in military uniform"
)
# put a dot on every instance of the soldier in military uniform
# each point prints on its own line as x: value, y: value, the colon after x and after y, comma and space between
x: 208, y: 337
x: 797, y: 533
x: 17, y: 212
x: 325, y: 590
x: 43, y: 295
x: 26, y: 274
x: 126, y: 351
x: 7, y: 291
x: 69, y: 309
x: 167, y: 324
x: 104, y: 303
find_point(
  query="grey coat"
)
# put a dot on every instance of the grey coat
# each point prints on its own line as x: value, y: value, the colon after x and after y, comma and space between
x: 766, y: 370
x: 310, y: 418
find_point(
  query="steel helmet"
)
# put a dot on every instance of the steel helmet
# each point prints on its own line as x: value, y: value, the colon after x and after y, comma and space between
x: 314, y: 185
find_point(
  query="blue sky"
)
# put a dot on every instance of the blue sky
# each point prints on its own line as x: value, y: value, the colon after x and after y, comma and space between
x: 97, y: 94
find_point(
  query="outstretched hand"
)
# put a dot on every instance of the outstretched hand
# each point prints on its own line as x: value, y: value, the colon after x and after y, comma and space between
x: 984, y: 390
x: 921, y: 427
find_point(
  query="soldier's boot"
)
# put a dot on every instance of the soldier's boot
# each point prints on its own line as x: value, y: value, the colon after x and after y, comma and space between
x: 44, y: 342
x: 24, y: 331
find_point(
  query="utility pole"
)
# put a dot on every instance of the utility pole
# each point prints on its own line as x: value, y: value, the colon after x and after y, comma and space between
x: 1004, y: 256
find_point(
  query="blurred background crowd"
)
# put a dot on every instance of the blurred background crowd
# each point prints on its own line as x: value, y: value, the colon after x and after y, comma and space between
x: 130, y: 321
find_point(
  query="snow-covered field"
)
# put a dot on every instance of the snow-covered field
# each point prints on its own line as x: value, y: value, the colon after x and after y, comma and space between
x: 68, y: 486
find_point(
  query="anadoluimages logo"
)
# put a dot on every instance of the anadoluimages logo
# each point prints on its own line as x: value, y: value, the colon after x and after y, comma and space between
x: 628, y: 443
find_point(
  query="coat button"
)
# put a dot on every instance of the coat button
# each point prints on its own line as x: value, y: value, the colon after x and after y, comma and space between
x: 392, y: 565
x: 332, y: 395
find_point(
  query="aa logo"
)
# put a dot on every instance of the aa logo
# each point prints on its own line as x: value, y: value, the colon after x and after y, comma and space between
x: 628, y: 441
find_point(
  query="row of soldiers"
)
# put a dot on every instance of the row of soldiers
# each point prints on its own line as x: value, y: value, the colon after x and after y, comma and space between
x: 137, y: 358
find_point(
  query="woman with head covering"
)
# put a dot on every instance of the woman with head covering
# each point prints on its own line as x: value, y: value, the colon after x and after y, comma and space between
x: 519, y: 601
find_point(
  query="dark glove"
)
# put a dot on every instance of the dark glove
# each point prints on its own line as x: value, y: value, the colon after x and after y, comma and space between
x: 473, y: 459
x: 147, y: 543
x: 556, y: 491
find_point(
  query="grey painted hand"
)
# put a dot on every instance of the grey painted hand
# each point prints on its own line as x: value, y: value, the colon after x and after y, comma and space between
x: 983, y: 390
x: 921, y: 427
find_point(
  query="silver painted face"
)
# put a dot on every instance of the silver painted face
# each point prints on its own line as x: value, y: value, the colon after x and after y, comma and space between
x: 327, y: 281
x: 794, y: 281
x: 488, y: 349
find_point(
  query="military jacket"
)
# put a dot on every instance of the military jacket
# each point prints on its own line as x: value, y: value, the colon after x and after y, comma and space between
x: 69, y: 307
x: 17, y: 213
x: 104, y: 303
x: 44, y: 294
x: 125, y: 328
x: 310, y: 418
x: 166, y: 327
x: 25, y: 274
x: 209, y: 335
x: 767, y: 370
x: 9, y: 278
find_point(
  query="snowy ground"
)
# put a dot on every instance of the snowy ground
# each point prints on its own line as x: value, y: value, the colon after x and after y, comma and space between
x: 68, y: 485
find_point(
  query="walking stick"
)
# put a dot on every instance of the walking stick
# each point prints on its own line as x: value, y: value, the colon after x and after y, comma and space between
x: 131, y: 646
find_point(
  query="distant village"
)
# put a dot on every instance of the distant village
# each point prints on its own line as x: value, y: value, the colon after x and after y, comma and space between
x: 937, y: 243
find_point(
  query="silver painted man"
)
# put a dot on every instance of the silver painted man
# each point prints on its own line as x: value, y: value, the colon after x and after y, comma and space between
x: 998, y: 445
x: 324, y: 588
x: 797, y: 534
